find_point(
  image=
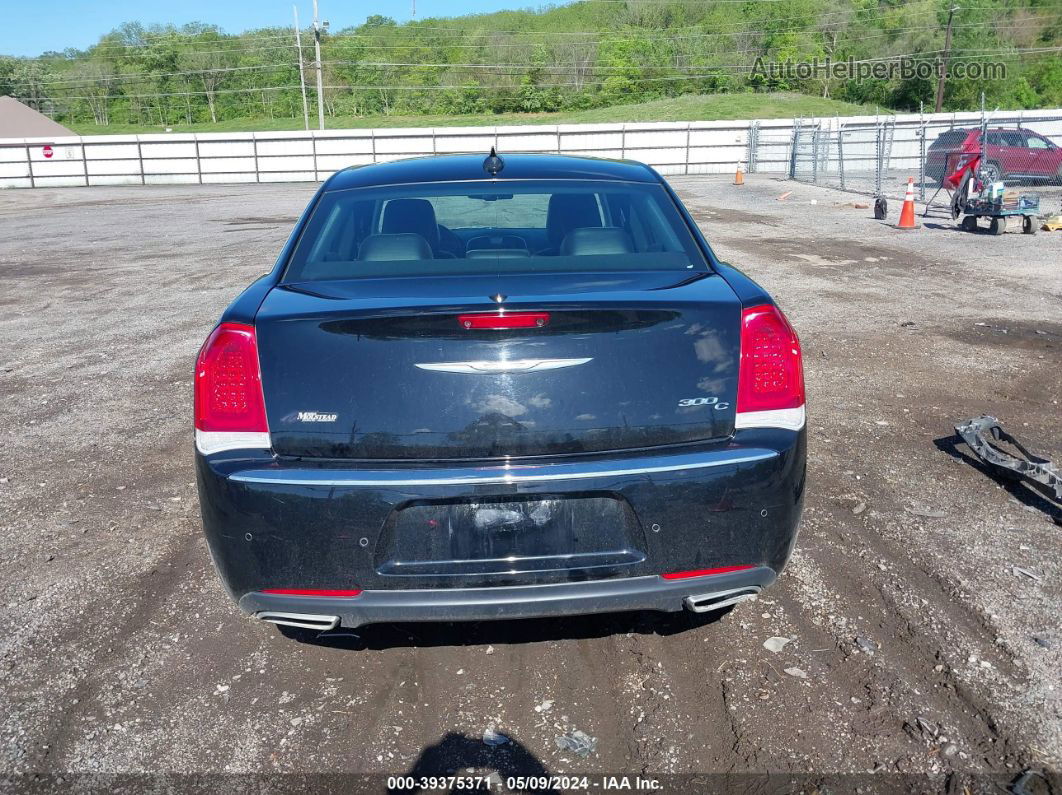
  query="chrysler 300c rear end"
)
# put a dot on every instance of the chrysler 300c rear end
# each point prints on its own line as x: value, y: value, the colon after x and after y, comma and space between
x: 517, y: 388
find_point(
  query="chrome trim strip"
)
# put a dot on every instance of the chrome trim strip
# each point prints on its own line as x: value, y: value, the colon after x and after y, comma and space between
x: 503, y: 474
x: 303, y: 620
x: 502, y: 366
x: 721, y: 599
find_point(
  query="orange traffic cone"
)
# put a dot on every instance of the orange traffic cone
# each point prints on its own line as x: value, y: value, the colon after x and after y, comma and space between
x: 907, y: 214
x: 739, y: 176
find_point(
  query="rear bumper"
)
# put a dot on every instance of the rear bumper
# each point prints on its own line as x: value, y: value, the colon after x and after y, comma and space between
x: 276, y: 524
x: 529, y: 601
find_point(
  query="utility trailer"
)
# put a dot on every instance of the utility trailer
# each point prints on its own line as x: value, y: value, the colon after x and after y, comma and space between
x: 998, y: 211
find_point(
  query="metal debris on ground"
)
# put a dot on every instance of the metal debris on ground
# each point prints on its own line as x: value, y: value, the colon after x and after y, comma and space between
x: 578, y: 742
x: 1019, y: 571
x: 983, y: 434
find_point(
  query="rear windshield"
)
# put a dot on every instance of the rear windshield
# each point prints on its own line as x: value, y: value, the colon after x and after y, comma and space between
x: 949, y: 139
x: 495, y: 227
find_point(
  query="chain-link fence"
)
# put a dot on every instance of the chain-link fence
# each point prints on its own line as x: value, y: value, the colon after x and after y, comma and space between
x: 877, y: 157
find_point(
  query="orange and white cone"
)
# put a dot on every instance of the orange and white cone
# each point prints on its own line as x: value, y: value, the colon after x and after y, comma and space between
x: 739, y: 176
x: 907, y: 213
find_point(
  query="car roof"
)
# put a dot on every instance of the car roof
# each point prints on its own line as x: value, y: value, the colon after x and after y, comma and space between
x: 469, y: 167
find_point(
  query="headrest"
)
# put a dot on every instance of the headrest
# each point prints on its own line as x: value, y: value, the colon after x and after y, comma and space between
x: 602, y: 240
x: 384, y: 248
x: 568, y: 211
x: 499, y: 253
x: 411, y: 215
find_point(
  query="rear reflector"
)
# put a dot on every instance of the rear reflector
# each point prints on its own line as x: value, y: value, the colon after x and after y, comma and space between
x: 771, y: 373
x: 313, y: 592
x: 504, y: 320
x: 229, y: 405
x: 682, y: 575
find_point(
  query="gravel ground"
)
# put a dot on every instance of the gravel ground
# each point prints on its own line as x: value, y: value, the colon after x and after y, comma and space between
x: 914, y: 646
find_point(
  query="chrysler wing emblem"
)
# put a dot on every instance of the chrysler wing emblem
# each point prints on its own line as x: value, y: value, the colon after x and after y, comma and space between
x: 503, y: 366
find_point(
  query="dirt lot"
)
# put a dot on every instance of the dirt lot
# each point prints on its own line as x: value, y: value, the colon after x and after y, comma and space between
x: 916, y: 647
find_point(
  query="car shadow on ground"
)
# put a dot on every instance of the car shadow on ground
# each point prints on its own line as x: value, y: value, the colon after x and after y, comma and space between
x: 1024, y: 491
x: 456, y: 753
x: 505, y: 632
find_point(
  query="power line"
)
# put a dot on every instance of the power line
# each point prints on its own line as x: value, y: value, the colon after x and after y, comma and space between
x: 154, y: 75
x: 707, y: 72
x: 523, y: 69
x: 421, y: 64
x: 644, y: 33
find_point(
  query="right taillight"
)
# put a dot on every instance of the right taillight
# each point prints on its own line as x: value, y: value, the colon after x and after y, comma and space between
x: 229, y: 405
x: 771, y: 373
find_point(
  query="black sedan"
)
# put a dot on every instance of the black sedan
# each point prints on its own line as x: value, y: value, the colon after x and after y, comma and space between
x: 486, y: 388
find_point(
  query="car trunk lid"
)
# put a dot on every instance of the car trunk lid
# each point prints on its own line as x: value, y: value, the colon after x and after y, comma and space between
x: 389, y: 369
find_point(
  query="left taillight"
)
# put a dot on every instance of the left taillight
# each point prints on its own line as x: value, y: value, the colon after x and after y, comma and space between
x: 771, y: 372
x: 229, y: 405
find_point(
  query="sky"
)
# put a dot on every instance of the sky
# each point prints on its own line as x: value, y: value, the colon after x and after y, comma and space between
x: 30, y: 28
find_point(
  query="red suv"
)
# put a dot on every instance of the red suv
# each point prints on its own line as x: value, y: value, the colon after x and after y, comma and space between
x: 1011, y: 155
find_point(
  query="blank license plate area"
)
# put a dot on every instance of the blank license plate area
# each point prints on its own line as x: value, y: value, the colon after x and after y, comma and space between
x: 509, y: 535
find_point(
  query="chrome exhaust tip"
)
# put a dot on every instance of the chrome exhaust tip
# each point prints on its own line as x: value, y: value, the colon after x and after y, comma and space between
x: 705, y: 603
x: 303, y: 620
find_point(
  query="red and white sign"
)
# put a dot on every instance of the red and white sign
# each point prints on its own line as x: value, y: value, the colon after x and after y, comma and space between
x: 47, y: 151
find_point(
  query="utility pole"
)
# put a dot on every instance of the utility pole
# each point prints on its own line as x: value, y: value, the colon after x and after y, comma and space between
x: 317, y: 26
x: 302, y: 77
x: 942, y: 62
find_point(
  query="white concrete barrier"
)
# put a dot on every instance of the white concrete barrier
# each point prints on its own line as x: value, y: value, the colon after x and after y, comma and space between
x: 699, y: 147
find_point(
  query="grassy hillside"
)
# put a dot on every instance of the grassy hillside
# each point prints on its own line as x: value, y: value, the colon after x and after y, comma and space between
x: 579, y: 60
x: 705, y: 107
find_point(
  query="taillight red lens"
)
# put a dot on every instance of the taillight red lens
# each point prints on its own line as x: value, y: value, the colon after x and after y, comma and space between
x: 327, y: 592
x: 228, y: 383
x: 771, y: 374
x: 504, y: 320
x: 682, y: 575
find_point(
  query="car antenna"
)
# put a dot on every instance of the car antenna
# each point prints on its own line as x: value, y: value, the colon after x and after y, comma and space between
x: 493, y: 164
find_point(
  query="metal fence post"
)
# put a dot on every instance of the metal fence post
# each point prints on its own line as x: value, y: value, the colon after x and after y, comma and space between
x: 984, y: 135
x: 922, y: 161
x: 29, y: 167
x: 753, y: 145
x: 687, y: 171
x: 815, y: 135
x: 623, y: 141
x: 840, y: 153
x: 372, y: 139
x: 878, y: 132
x: 257, y: 173
x: 794, y: 145
x: 199, y: 162
x: 84, y: 162
x: 140, y: 160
